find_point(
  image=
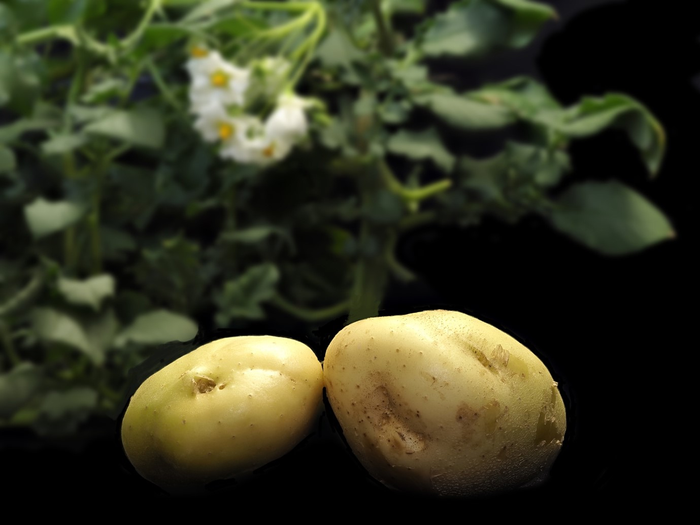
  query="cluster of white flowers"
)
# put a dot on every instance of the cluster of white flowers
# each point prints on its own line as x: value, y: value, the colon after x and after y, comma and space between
x: 217, y: 98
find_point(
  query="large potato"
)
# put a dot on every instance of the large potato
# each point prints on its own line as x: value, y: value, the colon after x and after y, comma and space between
x: 222, y: 410
x: 439, y: 402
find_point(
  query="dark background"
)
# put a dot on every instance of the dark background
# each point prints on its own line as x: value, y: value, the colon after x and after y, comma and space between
x: 616, y: 332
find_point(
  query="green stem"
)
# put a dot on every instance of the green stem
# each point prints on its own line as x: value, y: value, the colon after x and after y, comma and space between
x: 47, y: 33
x: 278, y: 6
x: 310, y: 314
x: 412, y: 194
x: 370, y: 278
x: 70, y: 253
x: 427, y: 191
x: 8, y: 344
x: 386, y: 44
x: 26, y: 295
x: 143, y: 24
x: 163, y: 87
x: 94, y: 218
x: 371, y: 271
x: 284, y: 29
x: 397, y: 269
x: 95, y: 241
x: 308, y: 46
x: 417, y: 219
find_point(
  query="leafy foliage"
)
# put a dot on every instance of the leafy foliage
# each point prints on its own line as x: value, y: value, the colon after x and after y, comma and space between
x: 610, y: 217
x: 123, y: 230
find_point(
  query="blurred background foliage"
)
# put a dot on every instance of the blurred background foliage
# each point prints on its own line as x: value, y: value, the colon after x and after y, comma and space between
x: 121, y: 230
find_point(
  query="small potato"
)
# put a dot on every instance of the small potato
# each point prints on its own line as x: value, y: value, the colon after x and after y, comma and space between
x: 222, y: 410
x: 439, y: 402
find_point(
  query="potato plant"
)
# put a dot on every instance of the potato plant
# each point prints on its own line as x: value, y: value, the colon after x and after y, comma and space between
x: 171, y: 165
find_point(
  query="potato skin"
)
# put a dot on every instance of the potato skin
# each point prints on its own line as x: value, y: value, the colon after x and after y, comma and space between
x: 226, y: 408
x: 439, y: 402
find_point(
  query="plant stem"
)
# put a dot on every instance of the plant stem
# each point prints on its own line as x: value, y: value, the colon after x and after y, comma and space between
x: 310, y: 314
x: 133, y: 38
x: 165, y: 90
x: 397, y: 269
x: 386, y: 44
x: 370, y: 279
x: 95, y: 240
x: 47, y: 33
x: 8, y: 344
x: 26, y: 295
x: 70, y: 254
x: 372, y: 266
x: 412, y: 194
x: 278, y: 6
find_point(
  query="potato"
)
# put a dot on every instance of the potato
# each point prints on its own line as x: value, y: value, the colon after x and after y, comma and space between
x: 441, y: 403
x: 224, y: 409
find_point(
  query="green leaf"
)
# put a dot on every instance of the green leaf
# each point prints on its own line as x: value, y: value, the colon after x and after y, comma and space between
x: 62, y: 144
x: 256, y: 234
x: 116, y: 243
x: 53, y: 326
x: 101, y: 330
x: 384, y: 207
x: 422, y: 145
x: 242, y: 296
x: 337, y: 51
x: 525, y: 20
x: 542, y: 166
x: 415, y: 7
x: 157, y: 327
x: 60, y: 413
x: 7, y: 160
x: 83, y: 114
x: 472, y: 28
x: 141, y: 127
x: 610, y: 218
x: 66, y: 11
x: 238, y: 26
x: 485, y: 177
x: 159, y: 36
x: 30, y: 13
x: 395, y: 111
x: 44, y: 118
x: 462, y: 112
x: 592, y: 115
x: 91, y: 291
x: 206, y: 9
x: 20, y: 80
x: 412, y: 76
x: 9, y: 27
x: 524, y: 96
x: 17, y: 387
x: 102, y: 91
x: 44, y: 217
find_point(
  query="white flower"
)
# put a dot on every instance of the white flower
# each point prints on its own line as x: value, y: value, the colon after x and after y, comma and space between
x: 270, y: 74
x: 251, y: 145
x: 196, y: 62
x: 288, y: 121
x: 214, y: 124
x: 216, y: 81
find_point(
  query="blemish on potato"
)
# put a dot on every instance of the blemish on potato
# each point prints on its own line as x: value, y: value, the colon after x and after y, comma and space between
x: 500, y: 355
x: 547, y: 431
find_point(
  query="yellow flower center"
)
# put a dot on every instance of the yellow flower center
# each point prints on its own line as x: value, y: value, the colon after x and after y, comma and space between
x: 269, y: 151
x: 225, y: 130
x: 198, y: 52
x: 219, y: 79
